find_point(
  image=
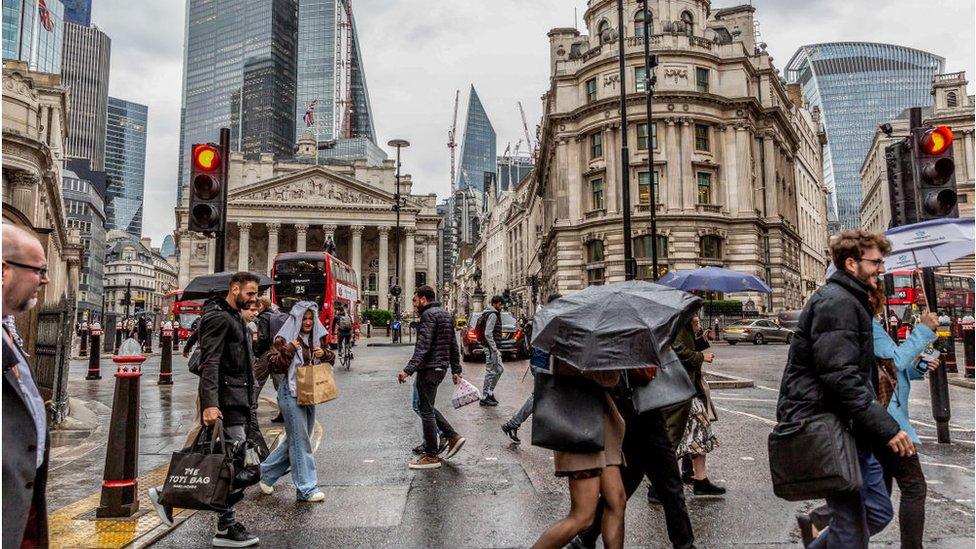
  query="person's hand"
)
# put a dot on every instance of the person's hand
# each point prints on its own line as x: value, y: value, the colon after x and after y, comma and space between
x: 402, y: 376
x: 211, y: 415
x: 902, y: 445
x: 708, y: 357
x: 318, y: 352
x: 186, y: 354
x: 297, y: 343
x: 456, y: 378
x: 930, y: 319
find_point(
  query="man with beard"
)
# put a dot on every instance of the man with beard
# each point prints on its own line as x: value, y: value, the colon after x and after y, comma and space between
x: 25, y: 437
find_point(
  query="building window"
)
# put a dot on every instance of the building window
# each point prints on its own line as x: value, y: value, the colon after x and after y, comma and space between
x: 704, y: 188
x: 689, y: 22
x: 596, y: 146
x: 642, y: 246
x: 639, y: 22
x: 594, y: 277
x: 711, y: 247
x: 951, y: 100
x: 701, y: 137
x: 642, y: 136
x: 604, y: 31
x: 594, y: 251
x: 644, y: 188
x: 591, y: 90
x: 639, y: 76
x: 596, y: 187
x: 701, y: 79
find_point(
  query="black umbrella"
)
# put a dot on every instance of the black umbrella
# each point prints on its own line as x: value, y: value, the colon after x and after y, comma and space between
x: 614, y: 327
x: 209, y: 285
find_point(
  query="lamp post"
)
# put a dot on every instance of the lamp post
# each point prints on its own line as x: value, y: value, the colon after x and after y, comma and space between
x: 397, y: 289
x: 650, y: 61
x: 629, y: 270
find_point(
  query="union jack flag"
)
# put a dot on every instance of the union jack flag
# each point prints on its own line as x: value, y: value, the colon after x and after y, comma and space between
x: 309, y: 115
x: 45, y: 14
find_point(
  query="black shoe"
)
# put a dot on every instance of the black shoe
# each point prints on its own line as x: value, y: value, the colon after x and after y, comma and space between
x: 278, y: 418
x: 234, y: 536
x: 420, y: 448
x: 512, y: 433
x: 687, y: 477
x: 487, y: 401
x: 492, y: 398
x: 652, y: 498
x: 806, y: 528
x: 578, y: 543
x: 706, y: 488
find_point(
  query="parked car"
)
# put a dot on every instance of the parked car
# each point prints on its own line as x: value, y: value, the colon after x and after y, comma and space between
x: 758, y: 331
x: 460, y: 323
x: 789, y: 319
x: 510, y: 345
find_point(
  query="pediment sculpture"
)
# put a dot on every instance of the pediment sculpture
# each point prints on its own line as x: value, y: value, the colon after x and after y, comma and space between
x: 315, y: 191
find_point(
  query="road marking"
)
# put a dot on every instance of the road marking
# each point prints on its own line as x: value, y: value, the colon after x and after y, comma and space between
x: 767, y: 388
x: 744, y: 399
x: 952, y: 427
x: 971, y: 443
x: 933, y: 482
x: 762, y: 419
x: 935, y: 464
x: 369, y: 461
x: 747, y: 458
x: 491, y: 459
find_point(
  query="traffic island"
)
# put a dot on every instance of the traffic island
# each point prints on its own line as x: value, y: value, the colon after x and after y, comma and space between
x: 725, y: 381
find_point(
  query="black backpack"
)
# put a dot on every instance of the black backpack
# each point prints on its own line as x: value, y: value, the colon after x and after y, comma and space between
x: 480, y: 326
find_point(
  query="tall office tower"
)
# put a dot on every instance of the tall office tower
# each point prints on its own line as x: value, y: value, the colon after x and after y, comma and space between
x: 478, y: 146
x: 78, y: 11
x: 239, y: 72
x: 856, y: 86
x: 511, y: 170
x: 33, y: 32
x: 83, y: 192
x: 84, y: 74
x: 330, y: 74
x: 125, y: 165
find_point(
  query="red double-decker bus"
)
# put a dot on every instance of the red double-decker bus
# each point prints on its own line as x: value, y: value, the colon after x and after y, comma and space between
x: 954, y: 295
x: 318, y: 277
x: 184, y: 312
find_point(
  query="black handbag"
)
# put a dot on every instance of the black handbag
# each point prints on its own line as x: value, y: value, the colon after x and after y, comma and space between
x: 671, y: 386
x: 201, y: 476
x: 813, y: 458
x: 567, y: 414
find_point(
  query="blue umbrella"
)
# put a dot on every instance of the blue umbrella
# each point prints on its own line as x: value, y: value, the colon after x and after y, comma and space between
x: 930, y: 243
x: 715, y: 279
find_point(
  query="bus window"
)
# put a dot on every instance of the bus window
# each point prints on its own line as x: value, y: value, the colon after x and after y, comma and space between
x: 903, y: 281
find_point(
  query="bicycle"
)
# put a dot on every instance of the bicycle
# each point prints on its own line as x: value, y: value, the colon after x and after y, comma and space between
x: 345, y: 353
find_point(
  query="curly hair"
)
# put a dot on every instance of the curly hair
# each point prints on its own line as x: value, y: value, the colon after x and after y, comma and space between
x: 852, y: 243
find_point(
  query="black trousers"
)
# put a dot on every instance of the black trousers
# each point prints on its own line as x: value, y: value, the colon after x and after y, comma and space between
x: 427, y: 382
x: 907, y: 471
x: 648, y: 451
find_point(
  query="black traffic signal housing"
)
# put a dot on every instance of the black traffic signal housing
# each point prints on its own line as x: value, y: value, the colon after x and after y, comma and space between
x: 934, y: 172
x: 901, y: 183
x: 207, y: 192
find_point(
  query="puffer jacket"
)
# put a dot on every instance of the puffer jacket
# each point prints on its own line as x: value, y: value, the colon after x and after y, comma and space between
x: 831, y: 364
x: 226, y: 376
x: 437, y: 345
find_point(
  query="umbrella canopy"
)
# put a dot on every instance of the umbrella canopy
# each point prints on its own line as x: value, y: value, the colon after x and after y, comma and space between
x: 613, y: 327
x: 715, y: 279
x: 209, y: 285
x: 930, y: 243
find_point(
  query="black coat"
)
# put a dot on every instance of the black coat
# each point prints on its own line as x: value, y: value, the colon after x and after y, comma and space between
x: 226, y: 376
x: 436, y: 342
x: 24, y: 483
x: 831, y: 365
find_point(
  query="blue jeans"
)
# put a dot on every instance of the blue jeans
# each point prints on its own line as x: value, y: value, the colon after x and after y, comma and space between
x: 857, y: 516
x: 297, y: 450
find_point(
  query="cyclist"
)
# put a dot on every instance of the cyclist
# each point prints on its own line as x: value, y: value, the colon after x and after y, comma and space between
x: 342, y: 325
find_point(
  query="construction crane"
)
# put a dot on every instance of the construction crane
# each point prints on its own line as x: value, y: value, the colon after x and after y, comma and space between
x: 451, y: 144
x: 525, y: 128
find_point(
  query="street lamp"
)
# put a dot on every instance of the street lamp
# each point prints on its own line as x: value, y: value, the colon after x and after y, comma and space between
x: 397, y: 289
x: 629, y: 270
x: 650, y: 61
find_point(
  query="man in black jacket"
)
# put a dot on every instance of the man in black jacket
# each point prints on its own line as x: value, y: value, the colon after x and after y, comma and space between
x: 436, y: 350
x: 25, y: 437
x: 831, y: 369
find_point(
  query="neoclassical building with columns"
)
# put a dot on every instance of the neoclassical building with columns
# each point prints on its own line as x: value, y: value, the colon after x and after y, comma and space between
x: 277, y: 206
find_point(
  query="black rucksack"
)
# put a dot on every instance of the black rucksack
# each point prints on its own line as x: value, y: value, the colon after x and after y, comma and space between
x: 480, y: 326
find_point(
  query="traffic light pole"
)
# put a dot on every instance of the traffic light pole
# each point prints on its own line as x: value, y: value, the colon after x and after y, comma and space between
x: 629, y: 270
x: 221, y: 234
x: 649, y: 81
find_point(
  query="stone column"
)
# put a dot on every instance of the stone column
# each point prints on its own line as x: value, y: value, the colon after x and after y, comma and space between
x: 301, y: 230
x: 432, y: 261
x: 185, y: 250
x: 25, y: 184
x: 244, y: 248
x: 356, y: 250
x: 273, y: 228
x: 383, y: 284
x: 689, y: 180
x: 409, y: 278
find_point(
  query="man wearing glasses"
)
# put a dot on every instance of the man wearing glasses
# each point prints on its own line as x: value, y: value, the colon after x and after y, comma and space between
x: 25, y: 438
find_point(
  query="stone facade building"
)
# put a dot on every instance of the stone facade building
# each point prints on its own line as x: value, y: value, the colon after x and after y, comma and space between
x: 295, y: 205
x: 727, y: 140
x: 951, y: 107
x: 134, y: 262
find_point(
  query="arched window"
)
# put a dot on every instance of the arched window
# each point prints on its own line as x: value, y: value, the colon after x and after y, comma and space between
x: 604, y: 31
x: 951, y: 99
x: 639, y: 23
x: 689, y: 21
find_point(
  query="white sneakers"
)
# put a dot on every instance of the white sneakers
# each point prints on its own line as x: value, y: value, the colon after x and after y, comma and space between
x: 267, y: 490
x: 316, y: 497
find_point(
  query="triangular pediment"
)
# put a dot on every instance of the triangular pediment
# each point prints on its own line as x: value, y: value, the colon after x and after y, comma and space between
x: 310, y: 187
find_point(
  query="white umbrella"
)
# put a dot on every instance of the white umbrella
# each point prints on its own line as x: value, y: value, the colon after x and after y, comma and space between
x: 930, y: 243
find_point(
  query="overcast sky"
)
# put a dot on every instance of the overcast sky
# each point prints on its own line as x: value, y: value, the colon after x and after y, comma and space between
x: 415, y: 59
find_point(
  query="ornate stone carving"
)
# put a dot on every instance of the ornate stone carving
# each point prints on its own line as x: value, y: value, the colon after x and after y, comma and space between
x: 357, y: 228
x: 200, y: 251
x: 610, y: 80
x: 244, y: 226
x: 675, y: 72
x: 273, y: 226
x: 301, y: 227
x: 383, y: 230
x: 314, y: 191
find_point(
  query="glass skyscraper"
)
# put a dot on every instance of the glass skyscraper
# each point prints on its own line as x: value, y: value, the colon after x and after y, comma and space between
x: 857, y: 86
x: 78, y: 11
x: 239, y: 72
x: 330, y: 72
x: 33, y: 32
x: 125, y: 165
x: 85, y: 74
x: 478, y: 145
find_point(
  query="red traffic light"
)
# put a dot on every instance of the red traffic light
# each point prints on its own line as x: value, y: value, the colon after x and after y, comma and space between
x: 937, y: 140
x: 206, y: 157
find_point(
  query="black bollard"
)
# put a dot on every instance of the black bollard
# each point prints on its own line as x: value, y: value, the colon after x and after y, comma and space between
x: 118, y: 337
x: 949, y: 347
x: 120, y: 490
x: 166, y: 360
x: 176, y: 337
x: 938, y: 378
x: 95, y: 358
x: 969, y: 347
x: 83, y: 334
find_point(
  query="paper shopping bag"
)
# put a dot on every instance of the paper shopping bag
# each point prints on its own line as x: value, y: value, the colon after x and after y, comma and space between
x: 465, y: 393
x: 315, y: 384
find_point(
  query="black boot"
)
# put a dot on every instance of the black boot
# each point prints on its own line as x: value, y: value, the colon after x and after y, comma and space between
x: 706, y: 488
x: 687, y: 470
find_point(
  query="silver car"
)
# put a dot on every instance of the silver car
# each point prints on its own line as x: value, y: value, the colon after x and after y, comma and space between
x: 758, y: 331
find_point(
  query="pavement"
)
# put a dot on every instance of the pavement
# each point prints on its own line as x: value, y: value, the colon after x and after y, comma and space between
x: 493, y: 493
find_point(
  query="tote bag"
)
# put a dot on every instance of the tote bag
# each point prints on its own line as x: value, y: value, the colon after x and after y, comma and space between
x: 567, y: 414
x: 315, y: 384
x: 200, y: 477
